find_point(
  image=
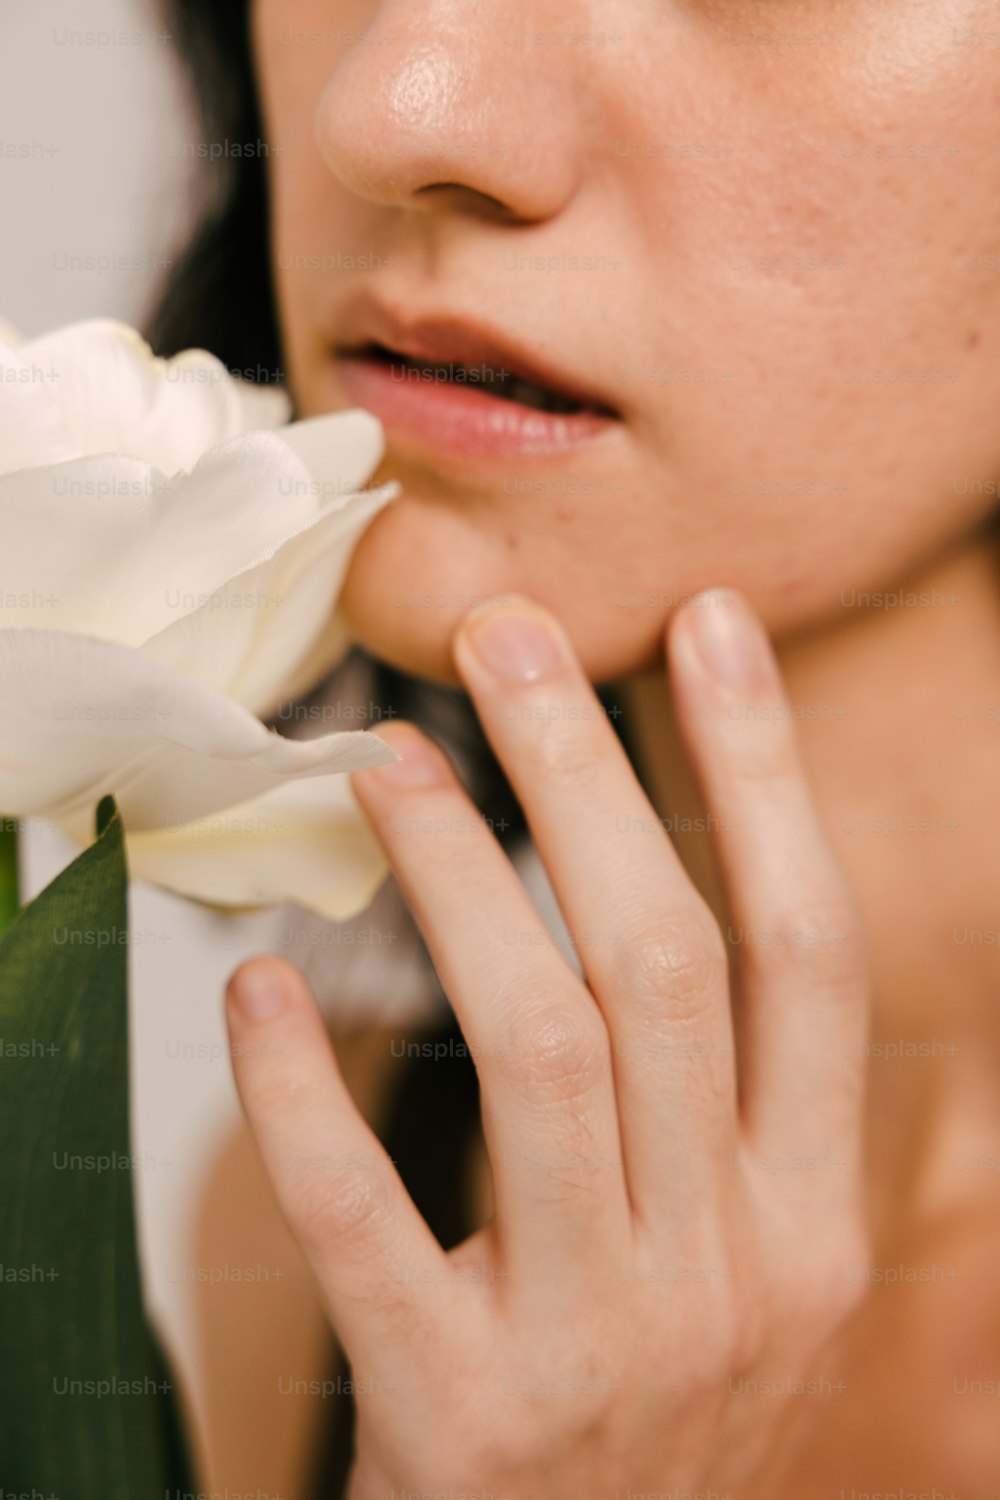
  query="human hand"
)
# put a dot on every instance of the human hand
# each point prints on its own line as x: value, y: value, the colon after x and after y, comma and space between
x: 646, y: 1259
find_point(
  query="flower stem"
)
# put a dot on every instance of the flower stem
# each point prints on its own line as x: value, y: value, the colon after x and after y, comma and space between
x: 9, y: 884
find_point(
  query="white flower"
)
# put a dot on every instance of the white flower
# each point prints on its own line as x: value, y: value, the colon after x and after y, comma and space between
x: 169, y: 568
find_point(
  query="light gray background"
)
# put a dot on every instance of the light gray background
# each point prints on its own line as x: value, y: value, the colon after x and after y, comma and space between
x: 108, y: 130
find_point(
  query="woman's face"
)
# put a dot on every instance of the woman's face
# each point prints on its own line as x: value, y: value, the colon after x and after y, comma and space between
x: 746, y: 255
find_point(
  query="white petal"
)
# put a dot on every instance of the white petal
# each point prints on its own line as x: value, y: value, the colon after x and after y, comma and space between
x: 69, y: 534
x: 327, y: 652
x: 128, y: 552
x: 82, y: 718
x: 264, y: 406
x: 32, y: 429
x: 95, y: 387
x: 341, y: 451
x: 306, y: 842
x: 116, y: 397
x: 271, y: 633
x: 236, y: 507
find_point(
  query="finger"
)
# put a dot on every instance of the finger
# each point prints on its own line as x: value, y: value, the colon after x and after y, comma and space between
x: 538, y: 1040
x: 649, y: 946
x: 372, y: 1253
x: 800, y: 946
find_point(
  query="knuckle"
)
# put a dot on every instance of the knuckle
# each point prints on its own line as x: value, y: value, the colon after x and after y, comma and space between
x: 346, y: 1203
x: 825, y: 943
x: 557, y: 1050
x: 679, y: 964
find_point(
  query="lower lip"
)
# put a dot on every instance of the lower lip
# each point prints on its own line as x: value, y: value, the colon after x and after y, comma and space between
x: 443, y: 417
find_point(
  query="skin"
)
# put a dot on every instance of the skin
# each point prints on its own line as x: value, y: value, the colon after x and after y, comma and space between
x: 859, y: 141
x: 683, y: 494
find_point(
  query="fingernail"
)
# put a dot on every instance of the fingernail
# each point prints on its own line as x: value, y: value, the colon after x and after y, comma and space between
x: 729, y: 640
x: 515, y: 644
x: 420, y: 765
x: 259, y: 992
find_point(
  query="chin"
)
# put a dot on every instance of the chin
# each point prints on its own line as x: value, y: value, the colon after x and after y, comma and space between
x: 423, y: 564
x: 417, y: 570
x: 403, y: 637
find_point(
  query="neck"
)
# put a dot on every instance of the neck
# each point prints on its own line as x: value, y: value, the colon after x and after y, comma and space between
x: 898, y: 718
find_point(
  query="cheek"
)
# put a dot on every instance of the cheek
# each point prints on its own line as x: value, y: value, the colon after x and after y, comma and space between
x: 841, y: 287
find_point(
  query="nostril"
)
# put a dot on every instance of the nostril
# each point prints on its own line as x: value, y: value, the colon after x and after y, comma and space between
x: 484, y: 203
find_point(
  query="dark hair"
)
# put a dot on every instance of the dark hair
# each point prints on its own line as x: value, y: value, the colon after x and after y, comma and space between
x: 219, y: 293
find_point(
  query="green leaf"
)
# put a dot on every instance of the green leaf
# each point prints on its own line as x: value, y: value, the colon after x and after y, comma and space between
x: 87, y: 1408
x: 9, y: 894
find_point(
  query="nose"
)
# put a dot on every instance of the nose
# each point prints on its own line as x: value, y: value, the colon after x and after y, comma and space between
x: 439, y: 107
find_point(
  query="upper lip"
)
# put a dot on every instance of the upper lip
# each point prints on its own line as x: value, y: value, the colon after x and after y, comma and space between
x: 449, y: 339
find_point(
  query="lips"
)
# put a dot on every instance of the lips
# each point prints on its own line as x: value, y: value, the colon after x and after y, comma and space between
x: 444, y: 384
